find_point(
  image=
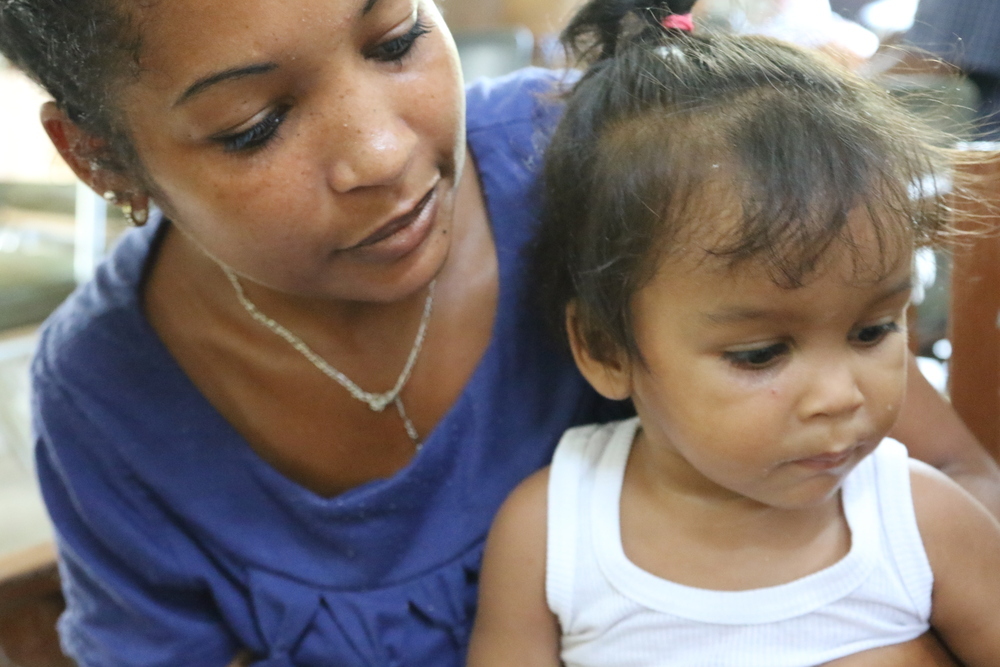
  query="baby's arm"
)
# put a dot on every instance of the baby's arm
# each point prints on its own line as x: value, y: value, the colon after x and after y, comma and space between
x: 924, y: 651
x: 963, y: 545
x: 513, y: 623
x: 933, y: 432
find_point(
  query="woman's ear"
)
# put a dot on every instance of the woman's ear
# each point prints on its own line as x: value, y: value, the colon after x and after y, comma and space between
x: 86, y: 156
x: 82, y: 152
x: 610, y: 374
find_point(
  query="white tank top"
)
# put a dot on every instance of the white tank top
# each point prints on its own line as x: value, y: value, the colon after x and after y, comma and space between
x: 613, y: 613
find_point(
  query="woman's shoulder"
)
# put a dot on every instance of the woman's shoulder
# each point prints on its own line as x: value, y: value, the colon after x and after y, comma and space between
x: 524, y: 96
x: 92, y: 371
x: 509, y: 121
x: 101, y: 314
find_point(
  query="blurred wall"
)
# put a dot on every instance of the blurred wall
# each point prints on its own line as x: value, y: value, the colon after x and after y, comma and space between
x: 472, y: 14
x: 542, y: 17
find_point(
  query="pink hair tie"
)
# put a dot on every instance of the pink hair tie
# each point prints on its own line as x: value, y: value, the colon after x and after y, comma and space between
x: 678, y: 22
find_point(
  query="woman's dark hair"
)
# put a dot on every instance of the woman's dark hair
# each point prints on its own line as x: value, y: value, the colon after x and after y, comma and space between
x: 80, y: 51
x: 666, y: 125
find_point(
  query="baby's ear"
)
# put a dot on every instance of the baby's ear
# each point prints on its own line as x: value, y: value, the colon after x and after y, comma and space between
x: 608, y: 370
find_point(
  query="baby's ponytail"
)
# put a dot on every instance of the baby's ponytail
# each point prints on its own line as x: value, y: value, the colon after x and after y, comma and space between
x: 599, y: 27
x: 666, y: 132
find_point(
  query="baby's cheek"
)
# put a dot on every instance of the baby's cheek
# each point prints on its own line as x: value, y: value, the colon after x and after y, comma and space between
x: 888, y: 403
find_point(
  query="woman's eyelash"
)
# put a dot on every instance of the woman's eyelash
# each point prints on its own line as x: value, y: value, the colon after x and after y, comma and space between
x: 396, y: 49
x: 256, y: 136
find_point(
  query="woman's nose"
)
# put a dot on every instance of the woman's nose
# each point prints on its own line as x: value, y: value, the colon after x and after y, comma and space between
x: 373, y: 146
x: 833, y: 390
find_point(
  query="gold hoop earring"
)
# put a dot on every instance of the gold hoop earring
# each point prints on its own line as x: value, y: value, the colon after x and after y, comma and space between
x: 136, y: 217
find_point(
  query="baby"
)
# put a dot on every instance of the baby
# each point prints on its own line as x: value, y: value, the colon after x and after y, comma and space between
x: 729, y: 238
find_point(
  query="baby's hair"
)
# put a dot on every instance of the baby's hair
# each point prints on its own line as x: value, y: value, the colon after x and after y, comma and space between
x: 663, y: 130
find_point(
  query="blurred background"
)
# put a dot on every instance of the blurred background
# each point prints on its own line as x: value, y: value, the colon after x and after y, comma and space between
x: 940, y: 56
x: 36, y: 272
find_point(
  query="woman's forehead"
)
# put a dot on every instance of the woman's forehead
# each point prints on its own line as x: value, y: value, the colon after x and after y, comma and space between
x: 183, y: 41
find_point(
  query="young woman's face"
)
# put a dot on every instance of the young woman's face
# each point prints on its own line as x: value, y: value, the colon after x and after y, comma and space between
x: 312, y: 145
x: 771, y: 394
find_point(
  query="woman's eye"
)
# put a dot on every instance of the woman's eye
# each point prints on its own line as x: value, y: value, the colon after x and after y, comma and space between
x: 396, y: 49
x: 874, y: 334
x: 757, y: 358
x: 256, y: 136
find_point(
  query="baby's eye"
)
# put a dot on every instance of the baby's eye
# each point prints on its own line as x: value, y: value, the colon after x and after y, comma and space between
x: 757, y: 358
x: 874, y: 334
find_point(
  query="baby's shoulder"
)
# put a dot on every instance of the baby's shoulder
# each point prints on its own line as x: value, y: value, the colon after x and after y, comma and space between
x: 945, y: 511
x: 962, y: 541
x: 518, y: 533
x: 529, y: 498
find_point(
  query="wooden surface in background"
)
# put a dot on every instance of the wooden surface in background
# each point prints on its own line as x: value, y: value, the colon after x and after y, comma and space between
x: 974, y: 317
x: 30, y: 604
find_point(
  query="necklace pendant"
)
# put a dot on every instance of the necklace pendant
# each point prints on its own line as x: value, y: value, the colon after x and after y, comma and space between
x: 379, y: 403
x: 376, y: 402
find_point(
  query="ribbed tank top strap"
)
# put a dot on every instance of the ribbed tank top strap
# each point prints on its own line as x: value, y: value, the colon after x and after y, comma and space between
x: 571, y: 480
x: 899, y: 522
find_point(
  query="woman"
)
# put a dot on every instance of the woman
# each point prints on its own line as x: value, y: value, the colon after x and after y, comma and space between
x: 219, y: 484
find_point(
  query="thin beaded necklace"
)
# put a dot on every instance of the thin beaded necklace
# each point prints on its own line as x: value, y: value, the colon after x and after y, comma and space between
x: 377, y: 402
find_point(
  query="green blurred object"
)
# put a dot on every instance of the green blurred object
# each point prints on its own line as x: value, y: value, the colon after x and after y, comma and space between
x: 32, y: 286
x: 493, y: 53
x: 945, y: 100
x: 36, y: 251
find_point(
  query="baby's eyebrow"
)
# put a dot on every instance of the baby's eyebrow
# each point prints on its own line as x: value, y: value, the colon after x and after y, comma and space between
x: 901, y: 287
x: 736, y: 314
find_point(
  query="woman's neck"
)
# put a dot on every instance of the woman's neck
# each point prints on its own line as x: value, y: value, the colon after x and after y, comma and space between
x: 279, y: 401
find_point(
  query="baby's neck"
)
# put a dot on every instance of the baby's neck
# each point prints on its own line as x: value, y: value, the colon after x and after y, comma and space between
x: 690, y: 535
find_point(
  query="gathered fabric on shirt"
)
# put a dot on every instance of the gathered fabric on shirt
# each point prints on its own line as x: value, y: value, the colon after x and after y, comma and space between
x: 179, y: 545
x: 612, y: 612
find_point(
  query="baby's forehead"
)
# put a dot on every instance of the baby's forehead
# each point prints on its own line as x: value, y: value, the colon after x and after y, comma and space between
x: 865, y: 250
x: 785, y: 197
x: 719, y: 297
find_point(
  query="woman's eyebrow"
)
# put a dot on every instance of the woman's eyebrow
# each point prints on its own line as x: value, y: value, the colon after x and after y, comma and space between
x: 204, y: 83
x: 239, y: 72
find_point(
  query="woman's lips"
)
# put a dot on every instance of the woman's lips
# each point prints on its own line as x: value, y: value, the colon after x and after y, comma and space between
x: 401, y: 235
x: 394, y: 225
